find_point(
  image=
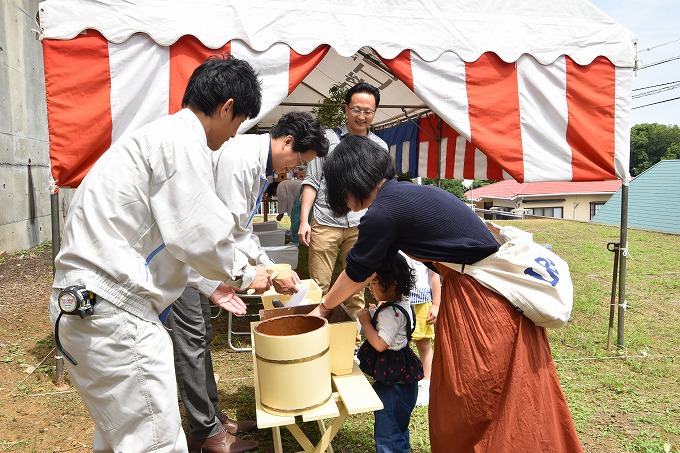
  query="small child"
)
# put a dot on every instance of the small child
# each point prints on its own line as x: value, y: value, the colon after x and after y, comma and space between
x: 387, y: 356
x: 425, y: 298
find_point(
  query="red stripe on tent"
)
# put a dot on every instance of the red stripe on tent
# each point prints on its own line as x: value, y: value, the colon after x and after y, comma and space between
x: 301, y: 65
x: 186, y: 55
x: 591, y: 93
x: 78, y: 91
x: 469, y: 162
x: 494, y: 170
x: 493, y: 106
x: 428, y: 132
x: 451, y: 134
x: 401, y: 67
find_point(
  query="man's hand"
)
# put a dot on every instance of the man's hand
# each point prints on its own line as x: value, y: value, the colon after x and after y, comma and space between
x: 305, y: 233
x: 280, y: 216
x: 288, y: 285
x: 262, y: 280
x: 225, y: 297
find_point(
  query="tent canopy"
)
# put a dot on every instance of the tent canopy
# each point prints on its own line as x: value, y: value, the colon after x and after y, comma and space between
x: 545, y: 30
x: 539, y: 89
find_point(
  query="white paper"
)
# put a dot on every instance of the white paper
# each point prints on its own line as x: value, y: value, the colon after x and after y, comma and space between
x: 298, y: 298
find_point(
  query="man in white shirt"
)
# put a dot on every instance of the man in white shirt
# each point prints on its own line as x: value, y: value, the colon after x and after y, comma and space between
x: 145, y: 214
x: 241, y: 169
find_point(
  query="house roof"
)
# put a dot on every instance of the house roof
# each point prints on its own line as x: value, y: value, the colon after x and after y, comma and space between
x: 510, y: 189
x: 653, y: 200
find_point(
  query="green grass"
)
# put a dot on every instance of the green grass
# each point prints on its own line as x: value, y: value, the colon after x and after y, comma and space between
x: 38, y: 249
x: 626, y: 400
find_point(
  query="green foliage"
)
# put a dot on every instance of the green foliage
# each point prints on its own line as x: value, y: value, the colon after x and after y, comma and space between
x: 454, y: 186
x: 329, y: 115
x: 406, y: 176
x: 650, y: 143
x: 40, y: 248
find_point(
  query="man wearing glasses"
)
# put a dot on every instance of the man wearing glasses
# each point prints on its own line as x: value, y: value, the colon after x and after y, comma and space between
x: 327, y: 233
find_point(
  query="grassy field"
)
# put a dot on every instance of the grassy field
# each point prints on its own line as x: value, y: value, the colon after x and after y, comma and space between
x: 621, y: 401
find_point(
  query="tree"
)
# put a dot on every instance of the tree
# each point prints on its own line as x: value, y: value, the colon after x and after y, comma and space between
x: 650, y: 143
x: 455, y: 186
x: 329, y: 115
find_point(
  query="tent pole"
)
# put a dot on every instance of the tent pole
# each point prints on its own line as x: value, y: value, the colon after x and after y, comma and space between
x: 623, y: 249
x: 54, y: 214
x: 439, y: 151
x: 613, y: 247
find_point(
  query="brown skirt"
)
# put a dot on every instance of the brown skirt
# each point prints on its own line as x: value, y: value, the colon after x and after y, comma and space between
x: 494, y: 387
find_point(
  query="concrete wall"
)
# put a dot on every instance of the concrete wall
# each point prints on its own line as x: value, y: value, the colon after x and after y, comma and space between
x: 24, y: 156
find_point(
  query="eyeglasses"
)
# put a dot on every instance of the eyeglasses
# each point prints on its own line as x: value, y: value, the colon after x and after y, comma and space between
x: 358, y: 112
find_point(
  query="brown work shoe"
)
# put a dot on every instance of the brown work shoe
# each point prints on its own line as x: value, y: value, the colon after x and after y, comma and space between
x: 221, y: 443
x: 236, y: 427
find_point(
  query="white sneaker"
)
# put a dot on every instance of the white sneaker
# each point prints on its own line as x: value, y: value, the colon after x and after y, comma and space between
x: 423, y: 393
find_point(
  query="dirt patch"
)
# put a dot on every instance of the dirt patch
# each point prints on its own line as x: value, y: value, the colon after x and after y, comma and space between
x: 34, y: 414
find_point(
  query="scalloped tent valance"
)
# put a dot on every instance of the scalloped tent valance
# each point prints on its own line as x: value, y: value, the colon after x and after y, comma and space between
x: 545, y: 29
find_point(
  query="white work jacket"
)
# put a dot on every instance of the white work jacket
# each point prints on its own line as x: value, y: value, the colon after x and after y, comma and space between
x: 240, y: 168
x: 145, y: 213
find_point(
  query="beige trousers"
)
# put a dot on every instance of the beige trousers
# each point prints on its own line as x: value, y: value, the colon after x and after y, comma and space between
x: 126, y: 378
x: 323, y: 251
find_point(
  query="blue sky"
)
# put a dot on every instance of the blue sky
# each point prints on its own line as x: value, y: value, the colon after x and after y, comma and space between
x: 656, y: 23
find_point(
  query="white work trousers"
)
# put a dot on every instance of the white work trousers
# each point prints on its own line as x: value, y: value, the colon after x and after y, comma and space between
x: 126, y: 378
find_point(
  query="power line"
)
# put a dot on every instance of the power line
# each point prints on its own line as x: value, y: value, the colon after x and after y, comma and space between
x: 654, y: 103
x: 657, y: 91
x: 654, y: 47
x: 653, y: 86
x: 659, y: 62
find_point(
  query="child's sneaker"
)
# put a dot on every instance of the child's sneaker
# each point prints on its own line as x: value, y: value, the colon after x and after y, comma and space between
x: 423, y: 393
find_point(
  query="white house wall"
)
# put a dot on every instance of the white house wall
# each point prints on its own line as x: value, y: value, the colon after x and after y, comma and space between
x: 574, y: 207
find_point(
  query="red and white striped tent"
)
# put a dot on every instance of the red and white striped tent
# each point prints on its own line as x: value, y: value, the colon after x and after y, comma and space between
x: 539, y: 90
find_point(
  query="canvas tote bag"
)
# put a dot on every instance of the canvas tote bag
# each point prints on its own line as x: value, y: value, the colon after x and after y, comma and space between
x: 534, y: 279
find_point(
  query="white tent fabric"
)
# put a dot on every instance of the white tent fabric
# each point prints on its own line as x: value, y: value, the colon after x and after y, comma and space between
x: 546, y: 30
x: 542, y: 89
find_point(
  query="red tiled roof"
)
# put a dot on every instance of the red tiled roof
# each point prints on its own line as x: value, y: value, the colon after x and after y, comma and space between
x: 511, y: 189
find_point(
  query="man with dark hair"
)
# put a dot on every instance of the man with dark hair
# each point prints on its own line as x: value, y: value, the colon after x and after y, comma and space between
x: 241, y: 169
x: 145, y: 214
x: 329, y: 233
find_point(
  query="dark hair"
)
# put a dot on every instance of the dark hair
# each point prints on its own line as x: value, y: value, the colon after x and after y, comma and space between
x: 395, y: 269
x: 307, y: 132
x: 356, y: 166
x: 220, y: 78
x: 363, y: 87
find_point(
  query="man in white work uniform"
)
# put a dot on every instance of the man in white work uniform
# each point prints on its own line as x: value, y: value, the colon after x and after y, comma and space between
x: 144, y: 215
